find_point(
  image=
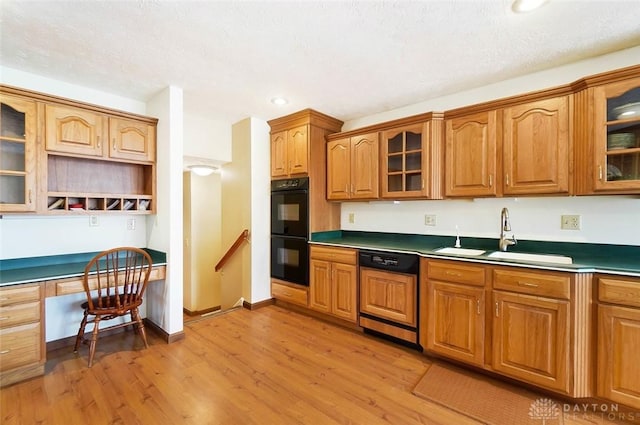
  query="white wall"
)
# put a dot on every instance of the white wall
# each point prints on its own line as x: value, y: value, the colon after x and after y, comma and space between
x: 202, y: 223
x: 236, y: 215
x: 605, y: 219
x: 207, y: 138
x: 260, y: 211
x: 164, y: 302
x: 246, y: 205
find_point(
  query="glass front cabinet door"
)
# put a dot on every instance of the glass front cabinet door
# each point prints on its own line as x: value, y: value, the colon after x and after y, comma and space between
x: 617, y: 136
x: 17, y: 154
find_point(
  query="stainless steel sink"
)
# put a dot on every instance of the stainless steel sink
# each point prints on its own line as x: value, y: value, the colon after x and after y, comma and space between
x: 538, y: 258
x: 460, y: 251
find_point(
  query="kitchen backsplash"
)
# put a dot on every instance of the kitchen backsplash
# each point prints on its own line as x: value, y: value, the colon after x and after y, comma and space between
x: 603, y: 219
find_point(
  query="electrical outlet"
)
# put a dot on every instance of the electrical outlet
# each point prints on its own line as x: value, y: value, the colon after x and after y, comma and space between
x: 131, y: 224
x: 352, y: 217
x: 429, y: 219
x: 93, y: 221
x: 570, y: 222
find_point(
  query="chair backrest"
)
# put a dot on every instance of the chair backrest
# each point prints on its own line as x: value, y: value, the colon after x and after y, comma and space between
x: 120, y: 276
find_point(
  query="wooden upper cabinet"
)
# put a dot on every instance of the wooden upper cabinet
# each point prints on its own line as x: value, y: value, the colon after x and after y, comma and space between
x: 411, y: 159
x: 339, y: 169
x: 290, y: 152
x: 352, y: 168
x: 132, y: 140
x: 617, y: 137
x: 75, y: 131
x: 17, y: 154
x: 536, y: 147
x: 471, y: 149
x: 298, y: 150
x: 279, y: 154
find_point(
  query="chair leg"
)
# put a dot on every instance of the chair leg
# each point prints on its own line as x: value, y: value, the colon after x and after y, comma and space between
x: 135, y: 316
x: 94, y: 339
x: 80, y: 335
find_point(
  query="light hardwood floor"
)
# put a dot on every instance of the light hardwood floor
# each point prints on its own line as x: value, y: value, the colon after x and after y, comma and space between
x: 267, y: 366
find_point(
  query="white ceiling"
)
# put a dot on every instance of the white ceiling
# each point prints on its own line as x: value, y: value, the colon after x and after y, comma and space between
x: 345, y: 58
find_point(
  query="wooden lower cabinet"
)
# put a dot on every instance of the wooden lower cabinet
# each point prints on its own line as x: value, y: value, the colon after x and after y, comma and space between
x: 289, y: 292
x: 532, y: 325
x: 333, y: 279
x: 531, y: 339
x: 456, y: 322
x: 618, y: 367
x: 455, y: 310
x: 22, y: 353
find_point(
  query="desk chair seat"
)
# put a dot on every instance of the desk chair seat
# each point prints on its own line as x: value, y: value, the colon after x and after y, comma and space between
x: 114, y: 282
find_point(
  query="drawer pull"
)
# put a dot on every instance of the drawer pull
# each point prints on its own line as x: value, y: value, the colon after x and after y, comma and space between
x: 527, y: 284
x: 450, y: 273
x: 497, y: 315
x: 4, y: 318
x: 4, y: 351
x: 478, y: 306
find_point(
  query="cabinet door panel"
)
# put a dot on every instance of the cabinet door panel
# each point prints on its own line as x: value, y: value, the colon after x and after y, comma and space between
x: 364, y: 166
x: 320, y: 285
x: 471, y: 155
x: 297, y: 154
x: 131, y: 140
x: 17, y: 154
x: 344, y: 296
x: 405, y: 161
x: 616, y: 156
x: 388, y: 295
x: 71, y: 130
x: 456, y: 321
x: 618, y: 347
x: 531, y: 339
x: 536, y: 147
x: 338, y: 169
x: 279, y: 154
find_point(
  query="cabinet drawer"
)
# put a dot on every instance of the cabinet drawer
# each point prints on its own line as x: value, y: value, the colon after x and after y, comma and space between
x: 456, y: 272
x: 74, y: 285
x: 289, y: 293
x: 337, y: 255
x: 619, y: 291
x: 548, y: 285
x: 19, y: 314
x: 19, y: 294
x: 19, y: 346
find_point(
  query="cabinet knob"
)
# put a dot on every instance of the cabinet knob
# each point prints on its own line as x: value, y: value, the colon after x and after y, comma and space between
x: 506, y: 179
x: 490, y: 180
x: 497, y: 311
x: 114, y: 143
x: 478, y: 306
x: 98, y: 141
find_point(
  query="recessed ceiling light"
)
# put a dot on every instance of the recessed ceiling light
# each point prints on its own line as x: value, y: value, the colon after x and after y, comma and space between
x: 524, y: 6
x: 202, y: 170
x: 279, y: 101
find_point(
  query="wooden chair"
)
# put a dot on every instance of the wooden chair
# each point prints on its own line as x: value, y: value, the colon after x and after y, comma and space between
x: 114, y: 281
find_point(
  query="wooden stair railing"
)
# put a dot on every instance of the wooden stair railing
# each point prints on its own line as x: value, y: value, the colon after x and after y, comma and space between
x: 244, y: 236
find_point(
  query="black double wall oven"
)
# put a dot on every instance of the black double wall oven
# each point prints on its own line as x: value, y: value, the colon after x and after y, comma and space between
x: 290, y: 230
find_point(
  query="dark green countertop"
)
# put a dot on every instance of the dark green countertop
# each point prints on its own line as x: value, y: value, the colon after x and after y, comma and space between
x: 605, y: 258
x: 34, y: 269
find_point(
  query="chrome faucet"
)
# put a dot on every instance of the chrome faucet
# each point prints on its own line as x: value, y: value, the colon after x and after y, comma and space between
x: 505, y: 226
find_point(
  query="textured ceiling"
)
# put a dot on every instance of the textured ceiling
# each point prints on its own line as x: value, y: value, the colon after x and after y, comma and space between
x: 346, y: 59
